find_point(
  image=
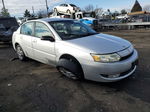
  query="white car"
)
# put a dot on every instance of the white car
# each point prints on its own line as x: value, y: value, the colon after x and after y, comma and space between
x: 66, y: 8
x: 75, y: 49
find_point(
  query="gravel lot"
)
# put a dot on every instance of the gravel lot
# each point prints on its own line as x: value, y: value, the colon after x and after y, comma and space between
x: 35, y: 87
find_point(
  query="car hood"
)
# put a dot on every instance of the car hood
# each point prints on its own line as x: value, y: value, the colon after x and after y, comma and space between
x: 100, y: 43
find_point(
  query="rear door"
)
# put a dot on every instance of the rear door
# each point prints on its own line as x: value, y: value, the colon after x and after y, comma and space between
x: 66, y: 7
x: 26, y: 34
x: 43, y: 50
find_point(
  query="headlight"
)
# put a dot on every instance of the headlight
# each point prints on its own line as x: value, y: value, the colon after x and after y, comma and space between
x: 106, y: 58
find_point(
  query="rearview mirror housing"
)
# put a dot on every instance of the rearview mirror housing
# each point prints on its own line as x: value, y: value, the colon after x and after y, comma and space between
x: 48, y: 38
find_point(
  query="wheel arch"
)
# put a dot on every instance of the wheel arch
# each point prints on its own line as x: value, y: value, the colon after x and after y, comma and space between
x: 68, y: 56
x: 15, y: 45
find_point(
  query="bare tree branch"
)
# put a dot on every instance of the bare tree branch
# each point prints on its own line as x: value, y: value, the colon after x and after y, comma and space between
x: 89, y: 8
x: 147, y: 8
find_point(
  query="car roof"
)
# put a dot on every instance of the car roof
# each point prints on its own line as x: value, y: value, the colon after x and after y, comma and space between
x: 54, y: 19
x: 48, y: 20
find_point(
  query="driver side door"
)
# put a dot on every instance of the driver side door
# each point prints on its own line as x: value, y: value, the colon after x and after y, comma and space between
x: 43, y: 50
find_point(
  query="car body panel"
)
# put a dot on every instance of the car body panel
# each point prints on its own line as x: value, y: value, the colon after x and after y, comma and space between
x: 44, y: 51
x: 93, y: 70
x: 101, y: 43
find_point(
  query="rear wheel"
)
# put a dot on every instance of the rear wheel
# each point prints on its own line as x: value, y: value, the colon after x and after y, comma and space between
x: 55, y: 10
x: 70, y: 68
x: 20, y: 53
x: 68, y: 11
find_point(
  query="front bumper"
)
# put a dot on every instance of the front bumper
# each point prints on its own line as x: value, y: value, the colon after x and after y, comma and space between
x: 110, y: 72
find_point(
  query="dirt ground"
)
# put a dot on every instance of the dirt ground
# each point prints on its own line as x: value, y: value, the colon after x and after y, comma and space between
x: 35, y: 87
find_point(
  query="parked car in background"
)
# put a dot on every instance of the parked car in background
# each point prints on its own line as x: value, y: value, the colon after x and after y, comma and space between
x: 60, y: 15
x: 66, y: 8
x: 89, y: 19
x: 7, y: 27
x: 75, y: 49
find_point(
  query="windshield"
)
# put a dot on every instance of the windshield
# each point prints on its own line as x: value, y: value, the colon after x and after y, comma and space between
x: 70, y: 29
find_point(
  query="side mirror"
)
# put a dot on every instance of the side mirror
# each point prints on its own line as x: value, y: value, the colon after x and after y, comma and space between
x: 49, y: 38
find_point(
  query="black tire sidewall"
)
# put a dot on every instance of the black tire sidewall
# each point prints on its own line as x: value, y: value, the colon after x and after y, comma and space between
x: 23, y: 56
x: 55, y: 10
x: 68, y: 11
x: 71, y: 67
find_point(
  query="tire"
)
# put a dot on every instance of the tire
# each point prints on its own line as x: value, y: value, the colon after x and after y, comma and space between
x: 20, y: 53
x: 70, y: 69
x: 68, y: 11
x: 55, y: 10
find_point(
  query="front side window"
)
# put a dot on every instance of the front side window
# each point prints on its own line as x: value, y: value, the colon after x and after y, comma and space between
x: 27, y: 28
x: 70, y: 29
x: 42, y: 30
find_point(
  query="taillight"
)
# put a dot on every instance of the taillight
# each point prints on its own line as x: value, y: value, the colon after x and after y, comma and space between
x: 66, y: 16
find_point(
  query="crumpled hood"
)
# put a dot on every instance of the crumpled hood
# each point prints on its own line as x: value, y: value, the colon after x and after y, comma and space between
x: 100, y: 43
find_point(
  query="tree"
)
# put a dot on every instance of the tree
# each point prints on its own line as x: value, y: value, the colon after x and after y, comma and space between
x: 27, y: 13
x: 108, y: 10
x: 5, y: 13
x: 89, y: 8
x: 109, y: 13
x: 98, y: 12
x: 147, y: 8
x: 137, y: 7
x: 123, y: 11
x: 39, y: 14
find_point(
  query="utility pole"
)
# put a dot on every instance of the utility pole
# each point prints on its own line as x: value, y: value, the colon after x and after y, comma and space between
x: 46, y: 7
x: 33, y: 10
x: 3, y: 4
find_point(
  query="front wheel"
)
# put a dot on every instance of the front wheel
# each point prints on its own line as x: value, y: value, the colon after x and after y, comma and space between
x: 70, y: 69
x: 68, y: 12
x: 67, y: 73
x: 20, y: 53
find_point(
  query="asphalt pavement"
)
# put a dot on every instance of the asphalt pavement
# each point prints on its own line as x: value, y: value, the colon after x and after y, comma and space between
x: 31, y: 86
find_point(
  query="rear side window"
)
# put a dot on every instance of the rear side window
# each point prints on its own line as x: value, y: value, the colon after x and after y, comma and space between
x: 27, y: 29
x: 62, y: 5
x: 73, y: 5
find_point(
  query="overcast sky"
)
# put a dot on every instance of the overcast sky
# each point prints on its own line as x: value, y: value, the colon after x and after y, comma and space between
x: 17, y: 7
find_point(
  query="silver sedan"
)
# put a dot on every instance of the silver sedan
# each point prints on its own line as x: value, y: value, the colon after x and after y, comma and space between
x: 76, y: 50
